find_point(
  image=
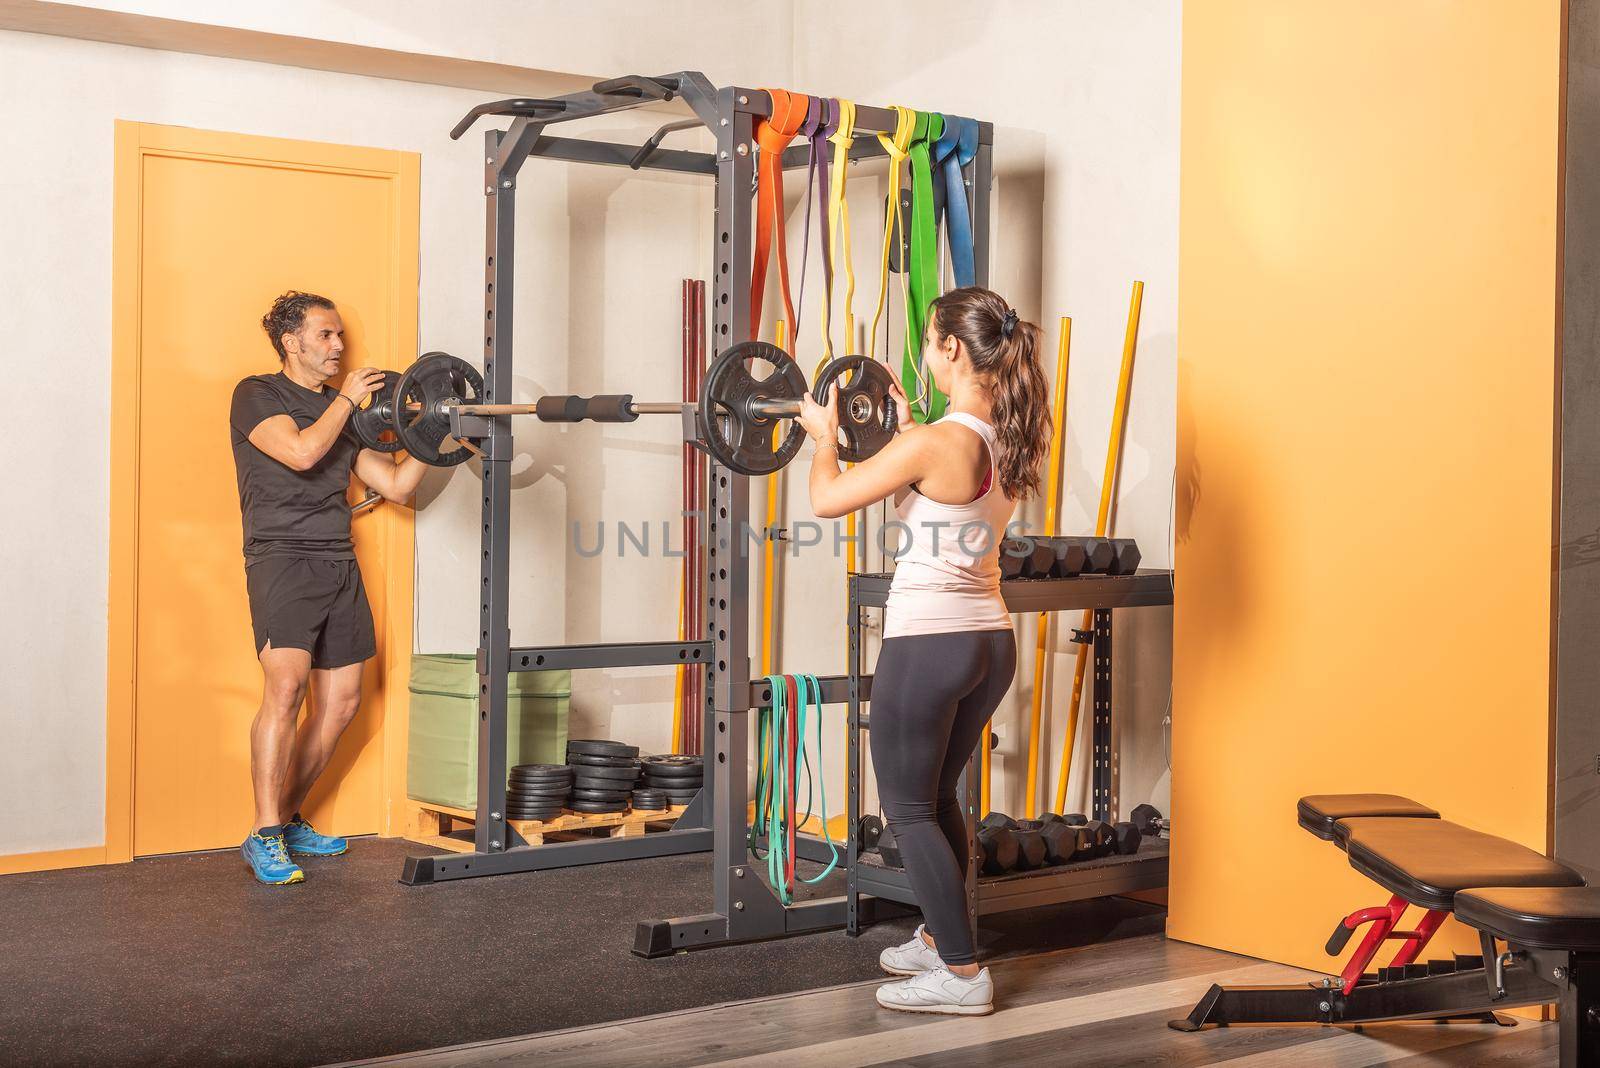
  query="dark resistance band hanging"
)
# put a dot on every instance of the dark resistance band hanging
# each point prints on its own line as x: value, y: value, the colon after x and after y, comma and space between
x: 923, y: 284
x: 956, y: 148
x: 815, y: 132
x: 819, y: 133
x: 773, y: 136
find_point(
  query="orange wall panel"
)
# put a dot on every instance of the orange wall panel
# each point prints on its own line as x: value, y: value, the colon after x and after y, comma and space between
x: 1367, y: 260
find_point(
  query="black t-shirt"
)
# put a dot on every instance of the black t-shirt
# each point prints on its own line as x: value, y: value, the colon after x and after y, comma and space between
x: 288, y: 512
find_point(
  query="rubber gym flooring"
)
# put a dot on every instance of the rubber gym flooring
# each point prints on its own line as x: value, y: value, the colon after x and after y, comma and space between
x: 184, y: 960
x: 1104, y: 1006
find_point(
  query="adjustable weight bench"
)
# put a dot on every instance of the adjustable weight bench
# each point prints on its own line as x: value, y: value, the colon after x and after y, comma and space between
x: 1539, y: 907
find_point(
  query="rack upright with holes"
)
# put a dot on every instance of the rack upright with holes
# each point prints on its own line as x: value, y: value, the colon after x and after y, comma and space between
x: 716, y: 821
x: 868, y: 879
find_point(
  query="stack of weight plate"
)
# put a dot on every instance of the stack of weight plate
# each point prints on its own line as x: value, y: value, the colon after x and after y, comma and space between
x: 673, y: 778
x: 604, y: 774
x: 537, y: 791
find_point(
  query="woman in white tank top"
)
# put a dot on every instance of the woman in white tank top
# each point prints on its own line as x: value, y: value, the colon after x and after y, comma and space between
x: 948, y: 652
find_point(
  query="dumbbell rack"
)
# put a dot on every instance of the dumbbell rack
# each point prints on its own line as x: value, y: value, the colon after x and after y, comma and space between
x: 868, y: 879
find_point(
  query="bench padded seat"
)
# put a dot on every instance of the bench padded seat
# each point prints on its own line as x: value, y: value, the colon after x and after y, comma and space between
x: 1566, y: 917
x: 1320, y: 813
x: 1427, y: 861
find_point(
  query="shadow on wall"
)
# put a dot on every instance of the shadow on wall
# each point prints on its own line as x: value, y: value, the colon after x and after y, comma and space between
x: 1222, y: 580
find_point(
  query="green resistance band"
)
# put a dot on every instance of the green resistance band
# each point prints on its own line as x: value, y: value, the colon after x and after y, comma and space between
x: 923, y: 284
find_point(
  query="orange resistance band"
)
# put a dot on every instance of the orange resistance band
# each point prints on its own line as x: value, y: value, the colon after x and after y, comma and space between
x: 773, y: 136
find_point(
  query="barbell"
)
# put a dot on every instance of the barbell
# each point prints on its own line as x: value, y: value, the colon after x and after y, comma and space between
x: 422, y: 410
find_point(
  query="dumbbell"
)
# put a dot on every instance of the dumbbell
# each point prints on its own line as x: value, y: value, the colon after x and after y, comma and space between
x: 888, y: 848
x: 1031, y: 850
x: 1071, y: 819
x: 998, y: 821
x: 1124, y: 556
x: 1041, y: 561
x: 1148, y: 819
x: 1097, y: 552
x: 1060, y: 841
x: 1127, y: 839
x: 1013, y: 551
x: 1001, y: 851
x: 1102, y: 839
x: 1071, y: 557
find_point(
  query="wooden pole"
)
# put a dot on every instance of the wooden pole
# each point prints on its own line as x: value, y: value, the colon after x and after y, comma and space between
x: 1058, y: 414
x: 1108, y: 492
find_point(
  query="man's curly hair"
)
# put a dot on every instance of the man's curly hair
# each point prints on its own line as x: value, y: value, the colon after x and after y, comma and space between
x: 288, y: 314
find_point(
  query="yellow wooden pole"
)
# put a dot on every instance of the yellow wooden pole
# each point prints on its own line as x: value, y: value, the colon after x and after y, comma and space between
x: 1058, y: 415
x: 769, y: 547
x: 1119, y: 417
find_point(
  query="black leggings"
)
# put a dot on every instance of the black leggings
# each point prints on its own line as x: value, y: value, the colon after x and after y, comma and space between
x: 931, y: 696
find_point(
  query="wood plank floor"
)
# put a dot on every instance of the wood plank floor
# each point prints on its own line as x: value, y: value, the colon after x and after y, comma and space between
x: 1106, y: 1005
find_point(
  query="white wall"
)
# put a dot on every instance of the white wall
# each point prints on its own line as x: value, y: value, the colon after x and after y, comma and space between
x: 1086, y: 197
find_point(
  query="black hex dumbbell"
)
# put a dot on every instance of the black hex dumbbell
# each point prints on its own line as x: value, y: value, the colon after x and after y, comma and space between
x: 1127, y: 838
x: 1147, y: 818
x: 1103, y: 840
x: 1031, y: 850
x: 1060, y: 842
x: 1124, y: 556
x: 1001, y: 851
x: 1071, y: 558
x: 1097, y: 552
x: 1013, y: 552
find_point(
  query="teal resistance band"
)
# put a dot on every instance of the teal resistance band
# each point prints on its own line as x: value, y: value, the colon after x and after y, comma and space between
x: 815, y: 697
x: 776, y: 781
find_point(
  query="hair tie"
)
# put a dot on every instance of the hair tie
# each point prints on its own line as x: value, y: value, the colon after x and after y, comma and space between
x: 1008, y: 323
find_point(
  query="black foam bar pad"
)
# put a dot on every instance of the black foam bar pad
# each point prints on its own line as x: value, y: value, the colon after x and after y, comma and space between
x: 560, y: 409
x: 611, y: 408
x: 1124, y: 556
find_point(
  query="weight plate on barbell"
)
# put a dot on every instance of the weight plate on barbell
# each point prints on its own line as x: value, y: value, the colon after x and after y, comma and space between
x: 867, y: 416
x: 373, y: 422
x: 735, y: 432
x: 422, y: 407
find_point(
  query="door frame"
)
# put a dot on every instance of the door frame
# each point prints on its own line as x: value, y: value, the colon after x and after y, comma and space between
x: 135, y: 141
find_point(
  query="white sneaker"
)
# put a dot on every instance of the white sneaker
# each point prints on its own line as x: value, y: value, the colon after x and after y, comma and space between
x: 940, y: 990
x: 913, y: 958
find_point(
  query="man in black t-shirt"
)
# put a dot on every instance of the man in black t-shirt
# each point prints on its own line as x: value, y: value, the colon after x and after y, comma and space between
x: 293, y: 453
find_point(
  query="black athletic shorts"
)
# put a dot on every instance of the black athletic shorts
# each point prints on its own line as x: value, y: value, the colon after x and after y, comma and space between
x: 317, y: 605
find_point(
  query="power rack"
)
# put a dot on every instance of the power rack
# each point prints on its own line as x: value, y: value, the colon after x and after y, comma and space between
x: 744, y: 908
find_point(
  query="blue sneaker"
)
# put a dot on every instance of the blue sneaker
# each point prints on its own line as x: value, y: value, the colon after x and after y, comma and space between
x: 269, y: 860
x: 303, y: 839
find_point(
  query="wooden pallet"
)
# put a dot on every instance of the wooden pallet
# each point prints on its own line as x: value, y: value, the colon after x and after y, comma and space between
x: 440, y: 825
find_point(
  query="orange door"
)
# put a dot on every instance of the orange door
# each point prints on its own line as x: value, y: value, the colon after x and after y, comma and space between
x: 226, y: 223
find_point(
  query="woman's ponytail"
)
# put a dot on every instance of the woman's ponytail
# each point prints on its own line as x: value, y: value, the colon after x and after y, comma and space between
x: 1004, y: 350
